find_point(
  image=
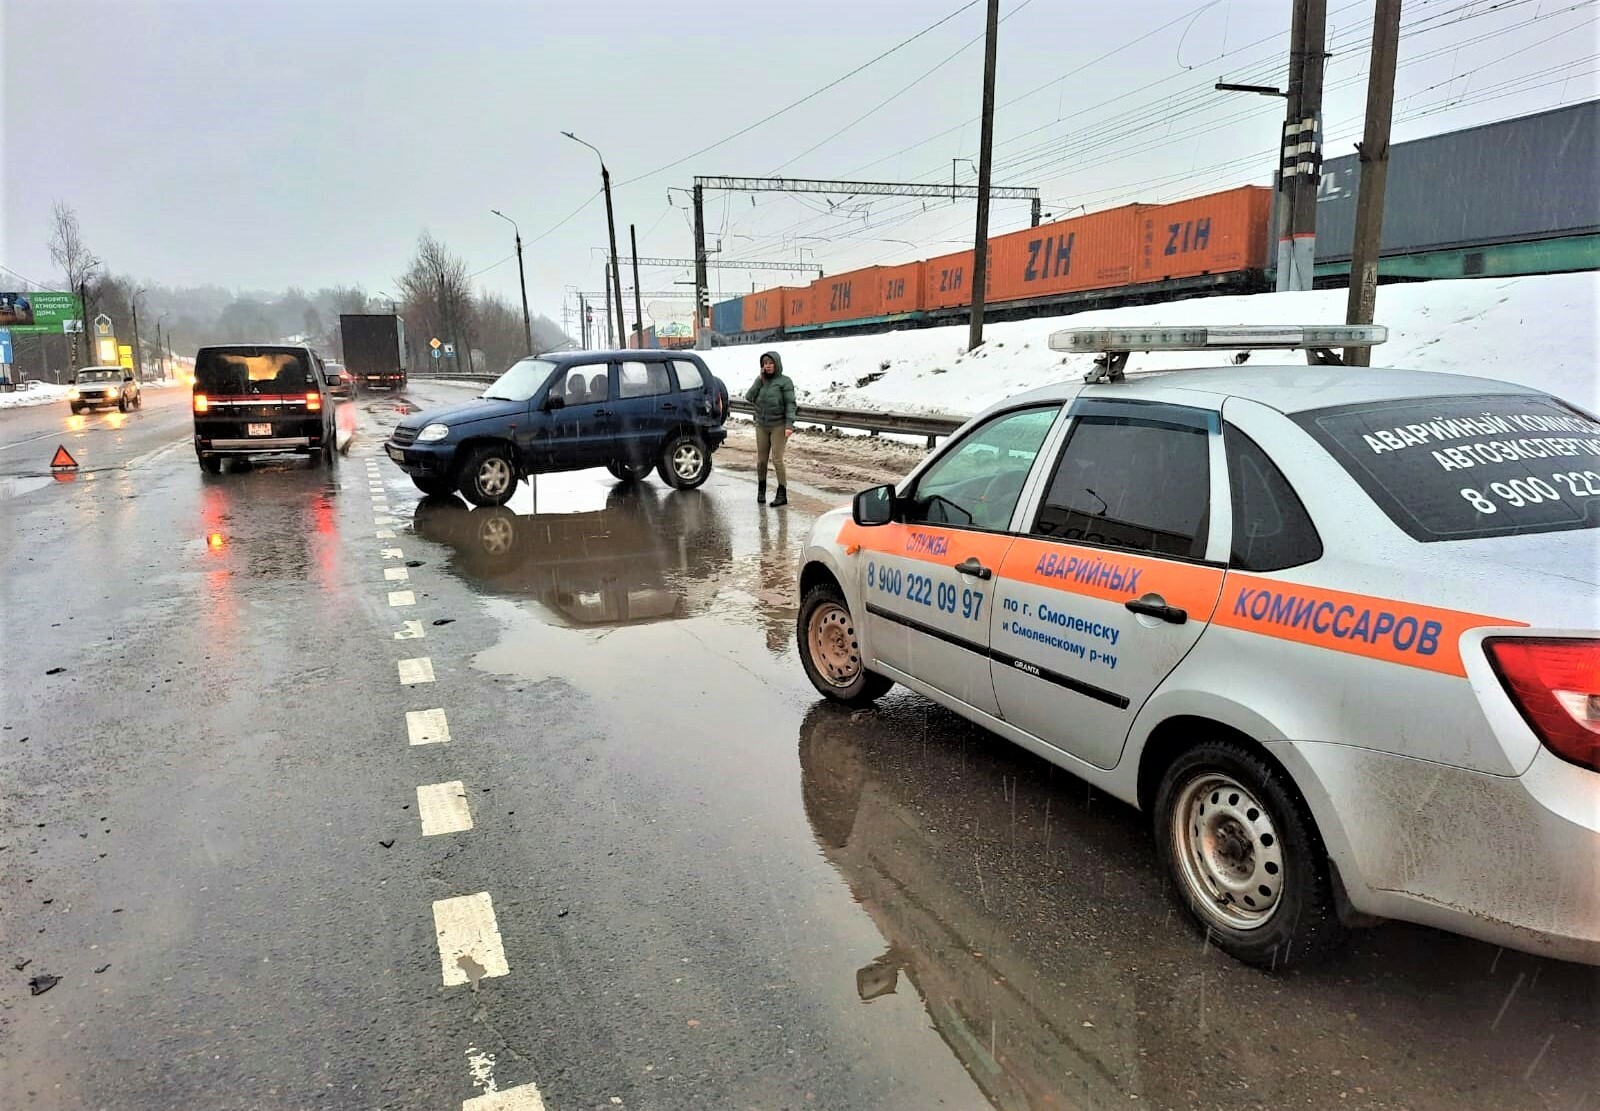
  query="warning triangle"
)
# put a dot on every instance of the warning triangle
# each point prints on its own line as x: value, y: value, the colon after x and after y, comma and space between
x: 63, y: 459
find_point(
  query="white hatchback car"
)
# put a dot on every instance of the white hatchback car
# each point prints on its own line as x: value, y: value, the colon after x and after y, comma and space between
x: 1336, y: 629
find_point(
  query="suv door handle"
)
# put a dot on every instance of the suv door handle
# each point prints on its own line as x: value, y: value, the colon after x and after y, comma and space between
x: 971, y: 566
x: 668, y: 405
x: 1155, y: 607
x: 602, y: 412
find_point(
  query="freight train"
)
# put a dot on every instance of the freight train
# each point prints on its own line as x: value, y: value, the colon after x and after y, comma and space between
x: 1515, y: 197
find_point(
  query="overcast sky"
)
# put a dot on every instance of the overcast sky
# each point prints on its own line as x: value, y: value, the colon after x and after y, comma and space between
x: 258, y: 145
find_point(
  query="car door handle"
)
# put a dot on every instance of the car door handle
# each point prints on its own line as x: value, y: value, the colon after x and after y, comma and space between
x: 1157, y: 608
x: 668, y: 405
x: 971, y: 566
x: 602, y: 412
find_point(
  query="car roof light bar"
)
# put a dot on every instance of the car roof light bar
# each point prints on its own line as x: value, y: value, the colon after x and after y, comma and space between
x: 1113, y: 345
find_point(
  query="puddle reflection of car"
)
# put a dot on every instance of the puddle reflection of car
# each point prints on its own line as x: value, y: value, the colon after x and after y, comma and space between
x: 645, y: 557
x: 885, y: 813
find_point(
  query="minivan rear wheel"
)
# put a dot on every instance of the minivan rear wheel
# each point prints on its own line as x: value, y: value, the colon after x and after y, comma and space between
x: 487, y: 476
x: 685, y: 462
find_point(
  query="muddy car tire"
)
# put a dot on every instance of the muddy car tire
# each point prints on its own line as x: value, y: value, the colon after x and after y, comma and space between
x: 685, y: 462
x: 624, y: 471
x: 830, y: 651
x: 488, y: 475
x: 1245, y: 858
x: 211, y: 464
x: 122, y: 404
x: 433, y: 486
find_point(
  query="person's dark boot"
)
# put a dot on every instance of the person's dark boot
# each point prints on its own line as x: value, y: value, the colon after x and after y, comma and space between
x: 782, y: 498
x: 761, y: 490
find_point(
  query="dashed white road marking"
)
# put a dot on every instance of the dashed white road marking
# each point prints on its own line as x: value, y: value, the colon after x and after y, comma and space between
x: 396, y: 574
x: 427, y: 727
x: 402, y: 598
x: 384, y: 534
x: 392, y: 553
x: 443, y: 808
x: 414, y: 671
x: 384, y: 521
x: 524, y: 1097
x: 470, y: 948
x: 410, y: 630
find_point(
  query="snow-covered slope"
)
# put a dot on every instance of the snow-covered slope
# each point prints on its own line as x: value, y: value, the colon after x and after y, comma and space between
x: 1539, y: 331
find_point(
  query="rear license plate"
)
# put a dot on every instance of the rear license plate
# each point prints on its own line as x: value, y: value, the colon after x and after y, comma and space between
x: 258, y: 430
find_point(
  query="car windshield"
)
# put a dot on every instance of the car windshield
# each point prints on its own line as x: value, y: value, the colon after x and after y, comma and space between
x: 251, y: 370
x: 1461, y: 468
x: 99, y: 374
x: 520, y: 382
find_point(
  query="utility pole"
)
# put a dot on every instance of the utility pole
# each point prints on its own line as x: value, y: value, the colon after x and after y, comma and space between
x: 610, y: 333
x: 1301, y: 167
x: 702, y: 292
x: 1373, y: 151
x: 638, y: 305
x: 1037, y: 213
x: 138, y: 354
x: 980, y: 237
x: 583, y: 320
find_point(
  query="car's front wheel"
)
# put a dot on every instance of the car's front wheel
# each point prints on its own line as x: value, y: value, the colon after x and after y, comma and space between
x: 488, y: 475
x: 624, y: 471
x: 76, y: 409
x: 685, y: 462
x: 830, y: 650
x: 1244, y: 856
x: 122, y: 404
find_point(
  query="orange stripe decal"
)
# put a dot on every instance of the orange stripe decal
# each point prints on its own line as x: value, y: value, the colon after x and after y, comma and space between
x: 1359, y: 624
x: 1113, y: 576
x: 927, y: 543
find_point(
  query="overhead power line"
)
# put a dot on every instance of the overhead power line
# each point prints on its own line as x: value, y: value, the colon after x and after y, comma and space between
x: 862, y: 188
x: 723, y: 263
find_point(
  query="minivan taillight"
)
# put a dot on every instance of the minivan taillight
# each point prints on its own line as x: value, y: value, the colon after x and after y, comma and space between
x: 313, y: 400
x: 201, y: 403
x: 1555, y: 682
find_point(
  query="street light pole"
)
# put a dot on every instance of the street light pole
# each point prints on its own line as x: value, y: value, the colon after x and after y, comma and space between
x: 611, y: 227
x: 638, y: 306
x: 527, y: 321
x: 138, y: 354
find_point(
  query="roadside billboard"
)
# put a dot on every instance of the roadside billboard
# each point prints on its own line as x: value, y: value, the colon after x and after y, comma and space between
x: 39, y: 313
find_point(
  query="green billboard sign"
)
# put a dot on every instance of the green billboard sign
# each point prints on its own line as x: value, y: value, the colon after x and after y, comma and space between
x: 38, y: 313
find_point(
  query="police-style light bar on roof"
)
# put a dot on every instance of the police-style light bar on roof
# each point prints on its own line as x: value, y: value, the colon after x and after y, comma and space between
x: 1113, y: 345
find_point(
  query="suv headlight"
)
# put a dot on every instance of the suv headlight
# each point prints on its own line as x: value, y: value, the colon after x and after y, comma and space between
x: 433, y: 433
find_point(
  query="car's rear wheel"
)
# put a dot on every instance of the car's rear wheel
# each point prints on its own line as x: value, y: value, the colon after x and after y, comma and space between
x: 830, y: 651
x: 487, y: 475
x: 624, y: 471
x: 433, y: 486
x: 685, y: 462
x: 1245, y: 858
x: 211, y: 464
x: 138, y: 400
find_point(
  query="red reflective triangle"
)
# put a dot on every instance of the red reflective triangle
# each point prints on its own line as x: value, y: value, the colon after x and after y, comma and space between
x: 63, y: 459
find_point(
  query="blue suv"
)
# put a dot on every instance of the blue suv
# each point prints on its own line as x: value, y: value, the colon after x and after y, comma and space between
x: 627, y: 411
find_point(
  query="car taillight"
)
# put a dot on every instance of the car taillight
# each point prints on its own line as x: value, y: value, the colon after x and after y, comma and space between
x: 1555, y: 682
x: 313, y: 400
x: 201, y: 403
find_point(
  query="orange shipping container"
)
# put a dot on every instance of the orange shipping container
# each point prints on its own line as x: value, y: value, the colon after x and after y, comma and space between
x: 947, y: 281
x: 900, y: 288
x: 851, y: 296
x: 797, y: 311
x: 1086, y: 252
x: 763, y: 312
x: 1214, y: 234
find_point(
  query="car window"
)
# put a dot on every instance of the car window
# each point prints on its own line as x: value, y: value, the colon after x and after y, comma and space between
x: 689, y: 377
x: 1271, y: 528
x: 641, y: 379
x: 585, y: 384
x: 1127, y: 482
x: 977, y: 482
x: 1460, y: 468
x: 521, y: 381
x: 252, y: 370
x: 98, y: 375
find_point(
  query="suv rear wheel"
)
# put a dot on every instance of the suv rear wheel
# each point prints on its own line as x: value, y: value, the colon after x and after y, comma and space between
x: 624, y: 471
x: 685, y: 462
x: 830, y: 651
x: 488, y: 475
x: 1245, y: 858
x: 211, y: 464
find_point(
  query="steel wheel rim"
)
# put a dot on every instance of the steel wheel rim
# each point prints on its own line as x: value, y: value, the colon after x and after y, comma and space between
x: 1231, y: 861
x: 831, y: 640
x: 686, y: 459
x: 494, y: 476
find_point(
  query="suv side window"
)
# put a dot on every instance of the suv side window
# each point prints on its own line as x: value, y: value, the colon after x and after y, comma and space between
x: 689, y: 377
x: 976, y: 484
x: 1271, y: 528
x: 642, y: 379
x: 1128, y: 482
x: 585, y: 384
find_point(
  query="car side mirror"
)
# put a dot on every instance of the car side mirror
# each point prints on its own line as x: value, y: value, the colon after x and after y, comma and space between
x: 874, y: 506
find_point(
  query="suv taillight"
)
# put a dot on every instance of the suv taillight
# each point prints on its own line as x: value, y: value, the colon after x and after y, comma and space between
x: 313, y: 400
x: 1555, y: 682
x: 201, y: 403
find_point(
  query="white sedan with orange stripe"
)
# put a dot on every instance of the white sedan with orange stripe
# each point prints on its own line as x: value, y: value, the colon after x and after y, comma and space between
x: 1336, y: 629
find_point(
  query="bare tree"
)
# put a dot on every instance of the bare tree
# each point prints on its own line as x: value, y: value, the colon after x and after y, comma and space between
x: 67, y: 248
x: 437, y: 292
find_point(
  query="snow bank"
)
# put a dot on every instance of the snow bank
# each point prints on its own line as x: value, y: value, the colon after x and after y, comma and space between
x: 1538, y: 331
x: 42, y: 393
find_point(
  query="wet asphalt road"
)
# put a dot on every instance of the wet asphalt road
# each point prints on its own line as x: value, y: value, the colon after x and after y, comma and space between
x: 711, y: 888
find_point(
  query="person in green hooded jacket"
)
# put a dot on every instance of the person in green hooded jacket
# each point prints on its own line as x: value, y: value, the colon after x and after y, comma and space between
x: 772, y: 395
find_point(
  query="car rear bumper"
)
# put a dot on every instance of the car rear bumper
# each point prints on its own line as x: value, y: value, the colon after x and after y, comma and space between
x: 231, y: 436
x: 714, y: 437
x: 1511, y: 860
x: 261, y: 444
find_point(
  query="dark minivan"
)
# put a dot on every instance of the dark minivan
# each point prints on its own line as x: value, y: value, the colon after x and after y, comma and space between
x: 627, y: 411
x: 260, y: 399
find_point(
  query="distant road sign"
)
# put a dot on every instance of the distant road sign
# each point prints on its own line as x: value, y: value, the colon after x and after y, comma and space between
x: 434, y: 343
x: 434, y: 352
x: 450, y: 349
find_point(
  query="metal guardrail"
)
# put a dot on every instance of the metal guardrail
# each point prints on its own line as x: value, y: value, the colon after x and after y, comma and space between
x: 932, y: 426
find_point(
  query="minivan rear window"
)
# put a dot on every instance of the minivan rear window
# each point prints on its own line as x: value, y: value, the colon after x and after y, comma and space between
x: 1459, y: 468
x: 252, y: 370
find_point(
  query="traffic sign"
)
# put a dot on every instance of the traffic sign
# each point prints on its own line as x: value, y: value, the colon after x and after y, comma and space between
x: 63, y: 460
x: 434, y: 343
x: 434, y: 352
x: 450, y: 350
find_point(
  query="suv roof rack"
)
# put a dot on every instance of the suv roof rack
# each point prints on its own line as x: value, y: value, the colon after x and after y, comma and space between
x: 1112, y: 346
